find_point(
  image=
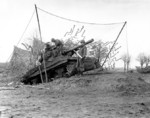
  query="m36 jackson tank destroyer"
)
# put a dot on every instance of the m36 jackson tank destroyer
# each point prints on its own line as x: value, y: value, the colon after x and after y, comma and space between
x: 64, y: 65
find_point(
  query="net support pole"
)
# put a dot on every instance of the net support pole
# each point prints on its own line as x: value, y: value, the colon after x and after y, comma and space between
x: 41, y: 41
x: 114, y: 44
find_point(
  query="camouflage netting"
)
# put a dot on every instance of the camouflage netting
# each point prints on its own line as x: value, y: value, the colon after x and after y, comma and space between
x: 23, y: 60
x: 71, y: 33
x: 20, y: 61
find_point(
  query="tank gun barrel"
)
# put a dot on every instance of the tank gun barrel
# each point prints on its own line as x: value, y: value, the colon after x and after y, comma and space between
x: 78, y: 47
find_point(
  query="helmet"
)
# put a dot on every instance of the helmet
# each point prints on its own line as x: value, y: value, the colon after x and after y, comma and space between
x: 53, y: 40
x: 48, y: 45
x: 82, y: 41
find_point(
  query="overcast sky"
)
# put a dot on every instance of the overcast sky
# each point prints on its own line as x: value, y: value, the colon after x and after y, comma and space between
x: 15, y: 15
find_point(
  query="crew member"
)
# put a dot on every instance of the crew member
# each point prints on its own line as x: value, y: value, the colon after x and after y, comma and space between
x: 45, y: 54
x: 58, y: 47
x: 82, y: 52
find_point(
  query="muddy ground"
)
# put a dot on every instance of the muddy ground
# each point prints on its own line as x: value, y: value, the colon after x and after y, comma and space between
x: 106, y: 95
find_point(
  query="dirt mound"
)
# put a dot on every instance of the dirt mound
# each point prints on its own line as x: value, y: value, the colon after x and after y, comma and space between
x: 124, y: 85
x: 70, y: 84
x: 132, y: 86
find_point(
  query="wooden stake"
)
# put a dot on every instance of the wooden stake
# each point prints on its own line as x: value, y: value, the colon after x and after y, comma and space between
x: 41, y: 42
x: 114, y: 43
x: 40, y: 74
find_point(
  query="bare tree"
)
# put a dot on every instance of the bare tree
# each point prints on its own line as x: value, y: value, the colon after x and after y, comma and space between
x: 99, y: 50
x: 34, y: 48
x: 147, y: 60
x: 142, y: 59
x: 68, y: 44
x: 126, y: 58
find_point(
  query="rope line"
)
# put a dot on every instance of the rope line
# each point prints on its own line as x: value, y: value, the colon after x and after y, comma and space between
x: 22, y: 34
x: 60, y: 18
x: 26, y: 27
x: 76, y: 20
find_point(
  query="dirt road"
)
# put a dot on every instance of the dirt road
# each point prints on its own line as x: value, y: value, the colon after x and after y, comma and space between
x: 90, y: 96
